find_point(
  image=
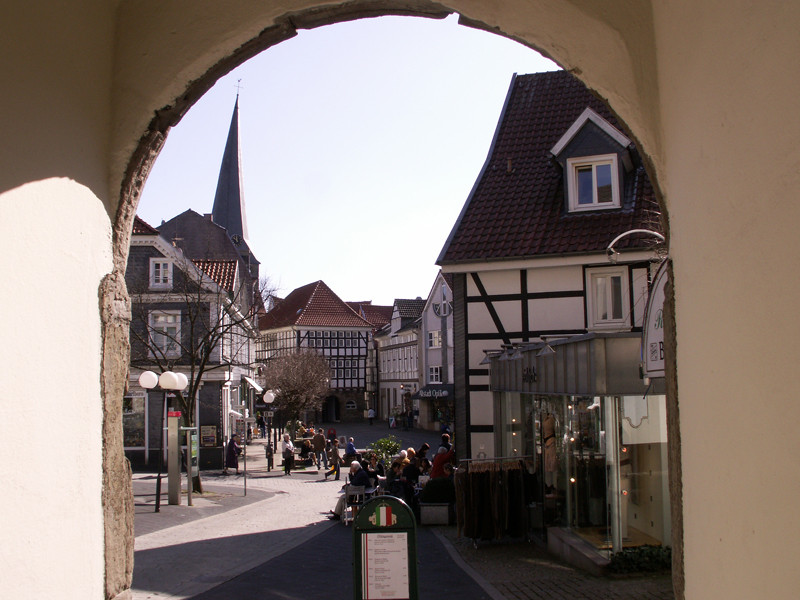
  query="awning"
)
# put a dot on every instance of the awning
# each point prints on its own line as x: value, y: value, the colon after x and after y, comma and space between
x: 235, y: 414
x: 253, y: 384
x: 435, y: 391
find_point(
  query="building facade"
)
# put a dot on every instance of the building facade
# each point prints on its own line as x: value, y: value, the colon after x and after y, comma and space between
x: 189, y: 317
x: 314, y: 317
x: 398, y: 345
x: 435, y: 400
x: 548, y: 318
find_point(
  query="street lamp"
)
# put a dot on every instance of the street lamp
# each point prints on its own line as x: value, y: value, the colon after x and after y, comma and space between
x: 171, y: 381
x: 268, y: 398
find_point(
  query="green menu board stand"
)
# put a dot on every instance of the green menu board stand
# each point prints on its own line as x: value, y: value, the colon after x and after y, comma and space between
x: 385, y: 551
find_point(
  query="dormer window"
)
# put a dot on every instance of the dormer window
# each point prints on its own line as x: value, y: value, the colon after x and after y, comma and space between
x: 593, y: 183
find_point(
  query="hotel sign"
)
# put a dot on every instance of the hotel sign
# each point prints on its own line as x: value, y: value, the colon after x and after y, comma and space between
x: 653, y: 337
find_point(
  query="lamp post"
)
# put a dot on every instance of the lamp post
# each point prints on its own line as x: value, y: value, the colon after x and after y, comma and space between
x: 167, y: 381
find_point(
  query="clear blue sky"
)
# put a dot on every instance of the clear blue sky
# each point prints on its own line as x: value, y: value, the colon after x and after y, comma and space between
x: 360, y: 143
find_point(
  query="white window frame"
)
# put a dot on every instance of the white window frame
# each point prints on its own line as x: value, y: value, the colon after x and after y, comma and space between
x: 573, y: 164
x: 597, y: 280
x: 171, y: 348
x: 435, y: 374
x: 435, y: 338
x: 158, y: 264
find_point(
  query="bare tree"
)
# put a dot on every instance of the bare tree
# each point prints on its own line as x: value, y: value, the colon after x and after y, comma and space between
x: 299, y: 380
x: 205, y: 321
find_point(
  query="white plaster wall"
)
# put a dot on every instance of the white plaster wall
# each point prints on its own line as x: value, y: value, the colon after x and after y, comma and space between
x: 556, y: 314
x: 731, y: 177
x: 51, y: 541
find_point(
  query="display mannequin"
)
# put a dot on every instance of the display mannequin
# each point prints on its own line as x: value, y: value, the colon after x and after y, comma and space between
x: 550, y: 458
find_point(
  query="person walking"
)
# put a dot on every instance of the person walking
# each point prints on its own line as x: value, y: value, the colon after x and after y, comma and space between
x: 371, y: 415
x: 232, y: 454
x: 262, y: 425
x: 287, y: 447
x: 318, y: 442
x: 335, y: 460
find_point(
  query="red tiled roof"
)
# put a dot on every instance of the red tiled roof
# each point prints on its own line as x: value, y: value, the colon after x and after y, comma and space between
x: 222, y: 272
x: 378, y: 316
x: 313, y: 305
x: 517, y: 206
x: 142, y: 228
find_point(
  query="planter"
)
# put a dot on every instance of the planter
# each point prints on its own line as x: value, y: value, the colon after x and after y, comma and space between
x: 434, y: 513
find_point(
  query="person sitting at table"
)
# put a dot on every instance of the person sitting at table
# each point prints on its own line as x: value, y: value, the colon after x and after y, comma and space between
x: 411, y: 472
x: 306, y: 454
x: 423, y: 451
x: 357, y: 477
x: 350, y: 453
x: 301, y: 431
x: 443, y: 457
x: 375, y: 469
x: 397, y: 486
x: 425, y: 467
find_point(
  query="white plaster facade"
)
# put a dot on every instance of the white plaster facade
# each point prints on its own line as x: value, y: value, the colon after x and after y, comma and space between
x: 708, y: 90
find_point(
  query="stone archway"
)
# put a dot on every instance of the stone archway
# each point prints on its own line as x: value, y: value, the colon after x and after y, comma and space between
x: 117, y: 500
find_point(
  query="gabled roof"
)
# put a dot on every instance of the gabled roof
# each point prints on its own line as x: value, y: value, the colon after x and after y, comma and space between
x: 376, y: 315
x: 313, y: 305
x: 516, y: 208
x: 199, y: 237
x: 222, y: 272
x: 142, y: 228
x: 409, y: 309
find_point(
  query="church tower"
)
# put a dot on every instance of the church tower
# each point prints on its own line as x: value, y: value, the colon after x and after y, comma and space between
x: 229, y: 209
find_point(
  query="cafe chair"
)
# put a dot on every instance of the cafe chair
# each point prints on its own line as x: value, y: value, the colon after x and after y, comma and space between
x: 354, y: 499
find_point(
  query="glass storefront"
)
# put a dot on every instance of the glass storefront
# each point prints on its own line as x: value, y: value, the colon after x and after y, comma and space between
x: 600, y: 464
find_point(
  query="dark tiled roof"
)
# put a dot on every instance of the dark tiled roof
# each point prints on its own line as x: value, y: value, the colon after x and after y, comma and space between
x: 199, y: 237
x: 313, y: 305
x: 142, y: 228
x: 517, y: 207
x: 222, y: 272
x: 409, y: 309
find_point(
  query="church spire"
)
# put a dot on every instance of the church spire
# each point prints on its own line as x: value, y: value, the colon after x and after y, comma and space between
x: 229, y: 210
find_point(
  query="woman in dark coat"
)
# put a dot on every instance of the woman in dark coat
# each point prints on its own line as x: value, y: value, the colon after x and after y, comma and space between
x: 232, y: 454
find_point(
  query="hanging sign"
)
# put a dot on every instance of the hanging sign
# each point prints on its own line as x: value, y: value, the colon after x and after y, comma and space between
x: 653, y: 336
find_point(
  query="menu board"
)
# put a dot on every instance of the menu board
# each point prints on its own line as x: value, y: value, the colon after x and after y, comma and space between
x: 384, y: 566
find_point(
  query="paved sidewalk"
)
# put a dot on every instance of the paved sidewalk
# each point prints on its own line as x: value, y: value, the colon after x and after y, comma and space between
x: 276, y: 542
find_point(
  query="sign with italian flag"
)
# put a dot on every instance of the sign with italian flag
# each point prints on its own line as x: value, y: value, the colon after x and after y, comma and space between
x: 383, y: 517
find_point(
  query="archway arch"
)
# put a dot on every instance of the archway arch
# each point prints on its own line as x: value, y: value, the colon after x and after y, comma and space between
x: 583, y: 39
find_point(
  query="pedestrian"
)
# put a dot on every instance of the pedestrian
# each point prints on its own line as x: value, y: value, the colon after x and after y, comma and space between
x: 232, y: 454
x: 262, y: 425
x: 319, y: 444
x: 371, y: 415
x: 287, y: 447
x: 335, y: 460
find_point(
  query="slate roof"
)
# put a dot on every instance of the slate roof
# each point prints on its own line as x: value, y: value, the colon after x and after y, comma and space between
x: 517, y: 207
x: 199, y: 237
x: 313, y: 305
x: 409, y: 309
x: 222, y: 272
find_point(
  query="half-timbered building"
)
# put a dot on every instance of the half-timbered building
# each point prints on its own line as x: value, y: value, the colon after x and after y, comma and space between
x: 551, y: 259
x: 313, y: 316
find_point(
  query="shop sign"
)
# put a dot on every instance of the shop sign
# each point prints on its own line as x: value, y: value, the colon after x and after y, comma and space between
x: 434, y: 392
x: 653, y: 337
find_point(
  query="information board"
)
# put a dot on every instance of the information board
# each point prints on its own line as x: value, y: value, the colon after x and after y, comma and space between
x: 384, y: 565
